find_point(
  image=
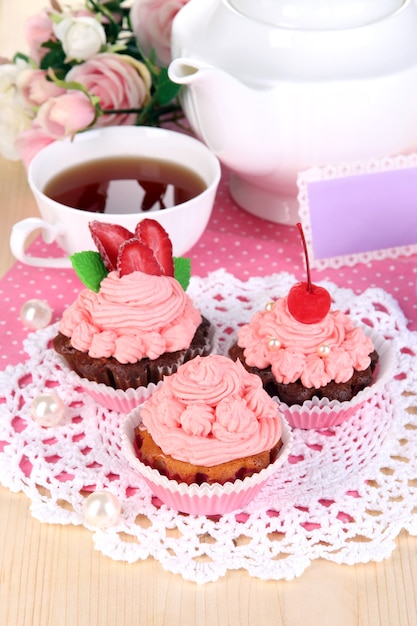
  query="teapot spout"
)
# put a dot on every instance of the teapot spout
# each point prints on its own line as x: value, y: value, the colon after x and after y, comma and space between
x: 225, y: 114
x: 186, y: 71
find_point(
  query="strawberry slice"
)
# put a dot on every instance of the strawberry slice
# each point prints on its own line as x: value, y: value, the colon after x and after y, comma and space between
x: 151, y: 233
x: 135, y: 256
x: 108, y: 238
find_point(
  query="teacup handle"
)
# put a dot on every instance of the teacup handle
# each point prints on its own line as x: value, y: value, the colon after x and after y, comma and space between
x: 18, y: 238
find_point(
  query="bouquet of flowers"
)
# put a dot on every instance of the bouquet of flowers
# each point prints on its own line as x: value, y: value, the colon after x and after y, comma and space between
x: 100, y: 64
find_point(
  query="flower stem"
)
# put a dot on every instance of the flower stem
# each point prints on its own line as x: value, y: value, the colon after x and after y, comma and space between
x: 158, y: 113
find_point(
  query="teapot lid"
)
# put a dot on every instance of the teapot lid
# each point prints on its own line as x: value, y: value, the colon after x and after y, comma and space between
x: 317, y: 14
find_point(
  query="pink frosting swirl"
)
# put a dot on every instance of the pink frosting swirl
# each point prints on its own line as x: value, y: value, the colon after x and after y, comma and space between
x: 315, y: 353
x: 212, y: 411
x: 205, y: 379
x: 136, y: 316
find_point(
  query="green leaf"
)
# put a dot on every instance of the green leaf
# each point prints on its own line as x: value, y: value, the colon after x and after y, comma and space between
x: 54, y: 59
x: 182, y: 271
x: 23, y: 57
x: 90, y: 268
x: 111, y: 27
x: 166, y: 90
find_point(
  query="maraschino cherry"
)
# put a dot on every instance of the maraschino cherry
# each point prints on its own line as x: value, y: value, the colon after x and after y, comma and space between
x: 308, y: 303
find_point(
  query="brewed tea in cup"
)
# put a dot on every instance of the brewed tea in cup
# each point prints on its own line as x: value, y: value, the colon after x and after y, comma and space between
x: 119, y: 174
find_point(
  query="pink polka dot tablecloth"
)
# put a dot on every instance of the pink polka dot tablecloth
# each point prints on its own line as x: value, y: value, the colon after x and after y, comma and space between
x: 242, y: 244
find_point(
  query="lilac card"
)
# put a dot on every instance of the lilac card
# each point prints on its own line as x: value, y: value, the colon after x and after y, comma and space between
x: 361, y: 211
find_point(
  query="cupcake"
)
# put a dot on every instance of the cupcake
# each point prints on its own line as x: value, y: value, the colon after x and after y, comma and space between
x: 310, y: 356
x: 208, y: 438
x: 133, y: 323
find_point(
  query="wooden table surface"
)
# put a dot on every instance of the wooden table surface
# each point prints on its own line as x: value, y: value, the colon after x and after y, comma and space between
x: 50, y: 575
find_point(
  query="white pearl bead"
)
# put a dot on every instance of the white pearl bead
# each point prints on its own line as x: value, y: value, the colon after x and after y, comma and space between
x: 36, y: 314
x: 48, y: 410
x: 274, y: 343
x: 269, y: 306
x: 323, y: 350
x: 102, y: 509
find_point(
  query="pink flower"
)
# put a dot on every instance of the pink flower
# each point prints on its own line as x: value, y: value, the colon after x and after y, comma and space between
x: 65, y: 115
x: 119, y: 81
x: 30, y: 142
x: 58, y: 117
x: 152, y: 22
x: 36, y: 88
x: 39, y: 29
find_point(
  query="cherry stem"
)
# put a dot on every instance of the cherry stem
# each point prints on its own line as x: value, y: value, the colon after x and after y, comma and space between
x: 303, y: 239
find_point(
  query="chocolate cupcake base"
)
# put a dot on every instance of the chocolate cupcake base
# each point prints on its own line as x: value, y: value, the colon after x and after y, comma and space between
x: 131, y: 375
x: 296, y: 393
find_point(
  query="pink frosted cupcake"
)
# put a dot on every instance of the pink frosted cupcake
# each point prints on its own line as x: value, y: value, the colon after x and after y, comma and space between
x: 208, y: 438
x: 316, y: 361
x: 134, y: 322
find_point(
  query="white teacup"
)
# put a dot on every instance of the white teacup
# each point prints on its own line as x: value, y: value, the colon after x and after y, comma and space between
x: 184, y: 222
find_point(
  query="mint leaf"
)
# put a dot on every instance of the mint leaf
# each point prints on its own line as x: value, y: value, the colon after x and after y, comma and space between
x: 182, y: 271
x: 90, y: 268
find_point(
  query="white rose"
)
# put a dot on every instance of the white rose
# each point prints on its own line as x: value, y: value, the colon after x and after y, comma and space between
x: 14, y: 119
x: 15, y: 115
x: 9, y: 73
x: 81, y: 37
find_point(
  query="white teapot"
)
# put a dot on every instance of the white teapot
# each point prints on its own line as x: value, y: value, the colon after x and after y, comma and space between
x: 274, y: 87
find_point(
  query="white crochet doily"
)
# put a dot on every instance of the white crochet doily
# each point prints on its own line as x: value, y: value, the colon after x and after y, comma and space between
x: 345, y: 495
